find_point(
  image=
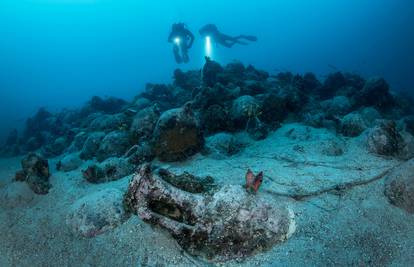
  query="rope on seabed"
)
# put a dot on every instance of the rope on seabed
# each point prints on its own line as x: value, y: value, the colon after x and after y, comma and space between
x: 335, y: 188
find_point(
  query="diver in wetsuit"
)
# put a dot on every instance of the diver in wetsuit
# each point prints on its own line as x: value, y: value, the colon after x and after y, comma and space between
x: 212, y: 31
x: 182, y: 40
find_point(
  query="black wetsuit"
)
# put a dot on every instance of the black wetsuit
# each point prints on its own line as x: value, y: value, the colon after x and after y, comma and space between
x: 212, y: 31
x: 182, y: 40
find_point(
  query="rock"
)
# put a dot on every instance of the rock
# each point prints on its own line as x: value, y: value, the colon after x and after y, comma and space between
x: 251, y: 73
x: 177, y: 135
x: 223, y: 145
x: 56, y: 148
x: 216, y: 95
x: 78, y: 142
x: 35, y: 173
x: 385, y: 140
x: 33, y: 143
x: 409, y: 124
x: 273, y: 110
x: 251, y: 87
x: 256, y: 129
x: 111, y: 169
x: 141, y: 103
x: 37, y: 123
x: 108, y: 123
x: 91, y: 145
x: 16, y: 194
x: 353, y: 125
x: 243, y: 109
x: 370, y: 116
x: 319, y: 119
x: 97, y: 213
x: 339, y: 105
x: 69, y: 162
x: 144, y: 123
x: 187, y: 80
x: 407, y: 150
x: 215, y: 119
x: 375, y: 93
x: 229, y: 224
x: 115, y: 144
x: 233, y: 73
x: 140, y: 154
x: 109, y: 105
x: 333, y: 83
x: 211, y: 71
x: 399, y: 186
x: 294, y: 98
x: 310, y: 83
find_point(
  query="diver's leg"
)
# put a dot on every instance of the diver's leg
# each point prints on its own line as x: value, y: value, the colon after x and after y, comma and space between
x: 250, y: 38
x: 184, y: 52
x: 228, y: 44
x: 176, y: 51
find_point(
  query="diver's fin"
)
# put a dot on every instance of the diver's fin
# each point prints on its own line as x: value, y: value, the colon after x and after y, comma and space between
x: 250, y: 38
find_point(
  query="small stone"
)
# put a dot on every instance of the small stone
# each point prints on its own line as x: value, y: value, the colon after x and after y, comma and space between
x: 399, y: 186
x: 97, y: 213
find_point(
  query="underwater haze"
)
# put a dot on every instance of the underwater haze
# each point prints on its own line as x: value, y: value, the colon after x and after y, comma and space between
x: 283, y: 136
x: 59, y: 53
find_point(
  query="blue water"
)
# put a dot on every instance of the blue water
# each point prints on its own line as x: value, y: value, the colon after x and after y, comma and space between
x: 59, y: 53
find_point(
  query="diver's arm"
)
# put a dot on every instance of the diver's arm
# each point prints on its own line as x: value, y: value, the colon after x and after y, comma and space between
x: 170, y: 37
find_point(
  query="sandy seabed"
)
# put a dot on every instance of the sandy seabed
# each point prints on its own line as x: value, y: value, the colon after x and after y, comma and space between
x: 342, y: 215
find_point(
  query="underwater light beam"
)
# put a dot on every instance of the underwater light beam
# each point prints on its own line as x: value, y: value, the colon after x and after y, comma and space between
x: 209, y: 50
x: 177, y: 41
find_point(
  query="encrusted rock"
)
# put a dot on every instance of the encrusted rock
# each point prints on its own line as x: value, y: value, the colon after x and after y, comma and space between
x: 215, y: 118
x: 55, y: 148
x: 97, y: 213
x: 243, y: 109
x: 273, y: 109
x: 409, y: 124
x: 115, y: 144
x: 375, y: 93
x: 399, y: 186
x: 370, y: 116
x: 77, y: 143
x: 35, y: 173
x: 108, y: 123
x: 229, y: 224
x: 141, y: 103
x: 110, y: 170
x: 177, y: 135
x: 144, y: 123
x: 339, y: 105
x: 385, y: 140
x: 353, y: 125
x: 211, y: 71
x: 69, y: 162
x: 139, y: 154
x: 91, y: 145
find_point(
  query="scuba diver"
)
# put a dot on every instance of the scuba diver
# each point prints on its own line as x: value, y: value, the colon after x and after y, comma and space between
x: 211, y: 30
x: 182, y: 40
